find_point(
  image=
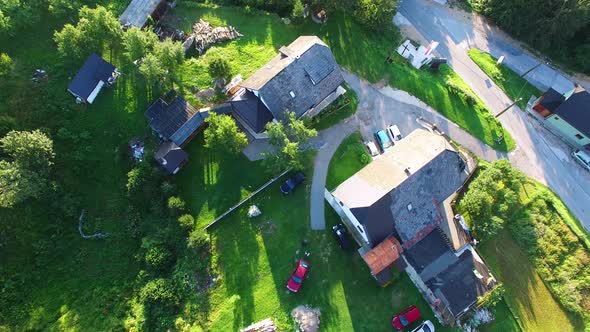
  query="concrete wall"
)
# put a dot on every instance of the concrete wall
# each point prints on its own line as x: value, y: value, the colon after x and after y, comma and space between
x: 567, y: 131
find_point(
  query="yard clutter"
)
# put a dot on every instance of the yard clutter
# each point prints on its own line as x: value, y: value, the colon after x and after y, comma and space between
x: 253, y: 211
x: 204, y: 36
x: 266, y: 325
x: 306, y: 318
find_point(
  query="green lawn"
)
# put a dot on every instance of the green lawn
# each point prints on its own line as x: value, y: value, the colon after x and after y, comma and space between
x: 513, y: 85
x: 354, y: 49
x: 527, y: 295
x: 349, y: 158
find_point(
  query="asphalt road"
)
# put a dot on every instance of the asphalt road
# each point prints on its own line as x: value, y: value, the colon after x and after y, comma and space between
x: 538, y: 153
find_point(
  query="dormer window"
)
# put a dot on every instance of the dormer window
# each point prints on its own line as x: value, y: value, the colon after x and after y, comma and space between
x: 292, y: 94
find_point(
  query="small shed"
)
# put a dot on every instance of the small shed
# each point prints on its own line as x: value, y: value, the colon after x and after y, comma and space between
x: 91, y: 78
x: 138, y: 11
x: 171, y: 157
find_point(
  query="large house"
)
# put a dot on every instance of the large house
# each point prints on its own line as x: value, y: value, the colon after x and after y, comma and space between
x: 95, y: 74
x: 303, y: 78
x: 398, y: 210
x: 567, y: 114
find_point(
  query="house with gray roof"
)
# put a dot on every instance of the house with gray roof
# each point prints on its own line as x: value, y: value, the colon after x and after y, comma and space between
x: 403, y: 196
x: 303, y: 78
x: 138, y: 11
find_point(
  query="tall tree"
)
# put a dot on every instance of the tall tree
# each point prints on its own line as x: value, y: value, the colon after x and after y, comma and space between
x: 171, y: 55
x: 137, y: 43
x: 223, y: 134
x: 69, y: 42
x: 375, y: 14
x: 26, y: 172
x: 288, y: 138
x: 151, y: 69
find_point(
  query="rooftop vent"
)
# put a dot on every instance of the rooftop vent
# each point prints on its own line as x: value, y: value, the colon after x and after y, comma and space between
x: 407, y: 171
x: 410, y: 207
x: 292, y: 94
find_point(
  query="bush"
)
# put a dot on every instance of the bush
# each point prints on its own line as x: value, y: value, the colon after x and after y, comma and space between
x: 159, y: 291
x: 297, y: 14
x: 168, y: 188
x: 465, y: 95
x: 176, y: 205
x: 187, y: 222
x: 198, y: 240
x: 159, y: 258
x: 5, y: 64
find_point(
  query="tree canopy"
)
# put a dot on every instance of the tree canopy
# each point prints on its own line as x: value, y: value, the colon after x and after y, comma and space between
x: 25, y: 173
x: 138, y: 43
x: 288, y: 138
x: 219, y: 69
x: 223, y: 134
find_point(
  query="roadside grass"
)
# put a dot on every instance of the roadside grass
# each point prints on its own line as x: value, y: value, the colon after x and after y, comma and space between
x: 354, y: 48
x: 348, y: 159
x: 342, y: 108
x: 510, y: 82
x: 526, y: 294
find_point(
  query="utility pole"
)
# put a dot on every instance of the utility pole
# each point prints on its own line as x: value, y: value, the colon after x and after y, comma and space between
x: 534, y: 67
x: 507, y: 108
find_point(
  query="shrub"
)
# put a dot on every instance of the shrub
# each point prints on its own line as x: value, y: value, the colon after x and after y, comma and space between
x: 297, y: 14
x: 159, y: 291
x: 198, y: 239
x: 159, y: 258
x: 5, y: 64
x: 168, y: 188
x: 187, y: 222
x: 465, y: 95
x: 176, y: 205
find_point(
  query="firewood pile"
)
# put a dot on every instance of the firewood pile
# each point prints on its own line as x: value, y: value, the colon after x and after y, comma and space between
x: 204, y: 36
x: 266, y: 325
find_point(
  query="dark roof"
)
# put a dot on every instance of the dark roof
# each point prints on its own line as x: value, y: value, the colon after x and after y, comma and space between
x: 94, y: 70
x: 552, y: 99
x: 138, y: 11
x: 306, y: 68
x: 249, y: 108
x: 176, y: 121
x: 171, y: 157
x: 576, y: 110
x: 421, y: 170
x: 449, y: 276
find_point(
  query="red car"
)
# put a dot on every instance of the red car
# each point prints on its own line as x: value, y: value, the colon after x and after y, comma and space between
x: 406, y: 317
x: 298, y: 276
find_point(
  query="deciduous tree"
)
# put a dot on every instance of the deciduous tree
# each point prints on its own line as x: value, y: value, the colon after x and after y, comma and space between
x: 138, y: 43
x: 219, y: 69
x: 223, y: 134
x: 5, y: 64
x: 151, y: 69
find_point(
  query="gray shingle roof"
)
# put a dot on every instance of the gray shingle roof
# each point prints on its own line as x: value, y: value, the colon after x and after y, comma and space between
x: 298, y: 78
x: 138, y: 11
x: 380, y: 193
x: 170, y: 156
x: 250, y: 109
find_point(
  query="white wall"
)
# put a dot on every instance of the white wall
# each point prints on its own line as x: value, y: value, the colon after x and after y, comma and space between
x: 348, y: 218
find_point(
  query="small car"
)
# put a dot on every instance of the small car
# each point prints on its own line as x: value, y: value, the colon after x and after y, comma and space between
x: 406, y: 317
x: 372, y: 148
x: 394, y: 132
x: 383, y: 140
x: 582, y: 158
x: 291, y: 183
x: 426, y: 326
x: 298, y: 276
x: 341, y: 234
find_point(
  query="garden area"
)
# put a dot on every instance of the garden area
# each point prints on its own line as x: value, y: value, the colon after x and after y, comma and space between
x: 522, y: 223
x: 510, y: 82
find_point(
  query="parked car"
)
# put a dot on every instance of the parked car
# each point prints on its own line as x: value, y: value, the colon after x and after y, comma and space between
x: 394, y: 132
x: 298, y: 276
x: 383, y: 140
x: 291, y: 183
x: 341, y: 234
x: 406, y: 317
x: 426, y: 326
x: 372, y: 148
x: 582, y: 158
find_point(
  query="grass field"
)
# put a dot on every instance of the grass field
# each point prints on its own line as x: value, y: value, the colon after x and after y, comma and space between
x: 513, y: 85
x: 526, y: 294
x: 350, y: 157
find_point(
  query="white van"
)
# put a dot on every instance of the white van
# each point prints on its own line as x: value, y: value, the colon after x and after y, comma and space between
x: 583, y: 158
x: 394, y: 132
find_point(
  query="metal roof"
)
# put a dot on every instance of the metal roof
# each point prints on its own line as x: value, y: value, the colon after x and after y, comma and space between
x: 138, y: 11
x: 94, y: 70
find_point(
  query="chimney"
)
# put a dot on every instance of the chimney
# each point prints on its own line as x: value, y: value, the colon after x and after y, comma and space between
x: 407, y: 171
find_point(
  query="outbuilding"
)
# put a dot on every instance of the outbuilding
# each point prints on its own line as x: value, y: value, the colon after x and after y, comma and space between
x: 95, y: 74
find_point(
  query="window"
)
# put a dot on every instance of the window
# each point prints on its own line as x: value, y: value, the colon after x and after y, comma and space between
x: 578, y: 136
x: 360, y: 229
x: 410, y: 207
x: 292, y: 94
x: 556, y: 117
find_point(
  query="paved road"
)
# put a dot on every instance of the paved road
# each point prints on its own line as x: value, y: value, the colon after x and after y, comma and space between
x: 538, y: 153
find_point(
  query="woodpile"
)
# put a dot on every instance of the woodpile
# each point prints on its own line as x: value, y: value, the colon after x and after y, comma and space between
x: 204, y: 36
